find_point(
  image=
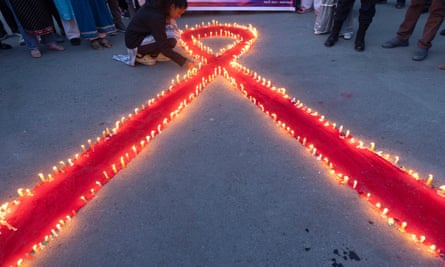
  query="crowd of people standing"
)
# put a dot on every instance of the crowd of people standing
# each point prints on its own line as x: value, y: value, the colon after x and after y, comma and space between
x: 331, y: 15
x: 33, y: 22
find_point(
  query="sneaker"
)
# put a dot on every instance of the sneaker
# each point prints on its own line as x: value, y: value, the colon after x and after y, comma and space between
x: 346, y: 35
x: 442, y: 32
x: 145, y: 60
x: 395, y: 42
x: 35, y: 53
x: 161, y: 58
x: 420, y: 54
x: 302, y: 10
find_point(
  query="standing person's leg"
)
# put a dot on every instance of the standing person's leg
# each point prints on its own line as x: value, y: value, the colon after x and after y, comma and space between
x: 409, y: 22
x: 3, y: 33
x: 347, y: 29
x: 305, y: 6
x: 85, y: 22
x: 432, y: 25
x: 407, y: 26
x: 366, y: 14
x: 117, y: 15
x: 55, y: 14
x: 50, y: 42
x: 72, y: 31
x: 131, y: 8
x: 69, y: 23
x: 30, y: 40
x: 342, y: 10
x: 9, y: 17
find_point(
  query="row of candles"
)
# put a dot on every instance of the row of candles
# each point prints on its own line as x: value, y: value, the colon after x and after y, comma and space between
x: 194, y: 81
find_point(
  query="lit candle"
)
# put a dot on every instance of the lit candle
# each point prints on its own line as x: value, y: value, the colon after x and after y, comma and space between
x: 403, y: 226
x: 90, y: 144
x: 42, y: 177
x: 391, y: 221
x: 122, y: 162
x: 429, y: 180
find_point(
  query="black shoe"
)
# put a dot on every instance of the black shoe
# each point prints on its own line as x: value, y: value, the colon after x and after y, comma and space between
x: 75, y: 41
x: 381, y: 1
x: 400, y: 5
x: 442, y: 32
x: 395, y: 42
x: 5, y: 46
x: 420, y: 54
x: 332, y: 39
x: 359, y: 46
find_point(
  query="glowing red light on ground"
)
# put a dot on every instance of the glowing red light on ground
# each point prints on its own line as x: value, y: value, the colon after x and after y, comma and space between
x: 409, y: 203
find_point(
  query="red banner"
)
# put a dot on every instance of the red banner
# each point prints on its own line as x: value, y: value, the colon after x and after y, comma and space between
x: 241, y: 5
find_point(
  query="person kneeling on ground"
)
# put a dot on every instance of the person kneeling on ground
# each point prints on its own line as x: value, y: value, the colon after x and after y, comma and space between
x: 150, y: 22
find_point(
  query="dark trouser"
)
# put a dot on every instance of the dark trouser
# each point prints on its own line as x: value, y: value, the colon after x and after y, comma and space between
x: 432, y: 25
x: 55, y: 13
x: 154, y: 48
x: 115, y: 12
x: 366, y: 11
x: 9, y: 17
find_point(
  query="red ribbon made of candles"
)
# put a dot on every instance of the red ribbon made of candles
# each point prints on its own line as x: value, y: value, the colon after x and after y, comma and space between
x: 38, y: 216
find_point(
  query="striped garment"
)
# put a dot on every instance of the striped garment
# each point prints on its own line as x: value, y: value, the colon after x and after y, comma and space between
x: 34, y: 16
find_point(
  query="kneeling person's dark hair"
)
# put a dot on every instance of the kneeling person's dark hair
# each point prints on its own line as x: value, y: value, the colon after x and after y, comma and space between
x: 165, y: 4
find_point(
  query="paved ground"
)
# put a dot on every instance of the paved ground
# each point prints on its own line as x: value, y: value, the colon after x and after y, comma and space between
x: 223, y: 186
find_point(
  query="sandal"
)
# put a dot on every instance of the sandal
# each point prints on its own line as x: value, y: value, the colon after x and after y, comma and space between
x: 145, y: 60
x: 95, y: 44
x: 162, y: 58
x: 105, y: 43
x: 302, y: 10
x: 55, y: 47
x: 35, y: 53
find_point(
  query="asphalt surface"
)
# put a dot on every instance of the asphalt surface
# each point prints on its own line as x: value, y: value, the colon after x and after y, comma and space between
x: 223, y: 186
